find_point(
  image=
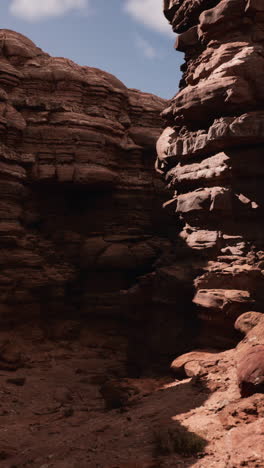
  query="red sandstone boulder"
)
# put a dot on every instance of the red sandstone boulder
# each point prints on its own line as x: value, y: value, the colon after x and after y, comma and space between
x: 190, y: 364
x: 248, y: 321
x: 250, y: 371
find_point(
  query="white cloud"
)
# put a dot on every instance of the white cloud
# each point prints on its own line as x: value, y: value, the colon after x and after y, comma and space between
x: 145, y: 47
x: 149, y: 13
x: 34, y: 10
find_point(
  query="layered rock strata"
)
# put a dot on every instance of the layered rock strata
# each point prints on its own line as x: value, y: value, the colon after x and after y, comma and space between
x: 211, y: 155
x: 80, y: 204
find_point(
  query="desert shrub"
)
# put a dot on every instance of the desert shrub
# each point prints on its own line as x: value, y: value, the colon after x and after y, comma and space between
x: 175, y: 438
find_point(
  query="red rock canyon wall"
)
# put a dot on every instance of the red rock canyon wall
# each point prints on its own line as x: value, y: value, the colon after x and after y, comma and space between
x: 83, y: 232
x: 211, y: 155
x: 80, y: 204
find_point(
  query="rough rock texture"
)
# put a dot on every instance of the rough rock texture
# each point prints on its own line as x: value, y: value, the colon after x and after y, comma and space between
x: 211, y: 156
x: 80, y: 205
x: 80, y: 222
x: 233, y: 427
x: 82, y: 230
x: 61, y: 406
x: 76, y: 151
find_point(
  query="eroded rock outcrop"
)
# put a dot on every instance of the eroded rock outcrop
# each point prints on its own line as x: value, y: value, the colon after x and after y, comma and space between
x: 211, y: 155
x: 76, y: 157
x: 232, y: 426
x: 82, y: 228
x: 80, y: 221
x: 80, y: 205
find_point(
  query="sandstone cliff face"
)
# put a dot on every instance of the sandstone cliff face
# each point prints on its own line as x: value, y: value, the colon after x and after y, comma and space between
x: 87, y: 257
x: 78, y: 194
x: 83, y: 232
x: 80, y: 222
x: 211, y: 155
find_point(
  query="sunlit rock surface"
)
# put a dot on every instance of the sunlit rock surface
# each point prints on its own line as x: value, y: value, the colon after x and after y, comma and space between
x: 211, y: 155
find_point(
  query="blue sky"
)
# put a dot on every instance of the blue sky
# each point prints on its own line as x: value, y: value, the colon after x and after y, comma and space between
x: 129, y: 38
